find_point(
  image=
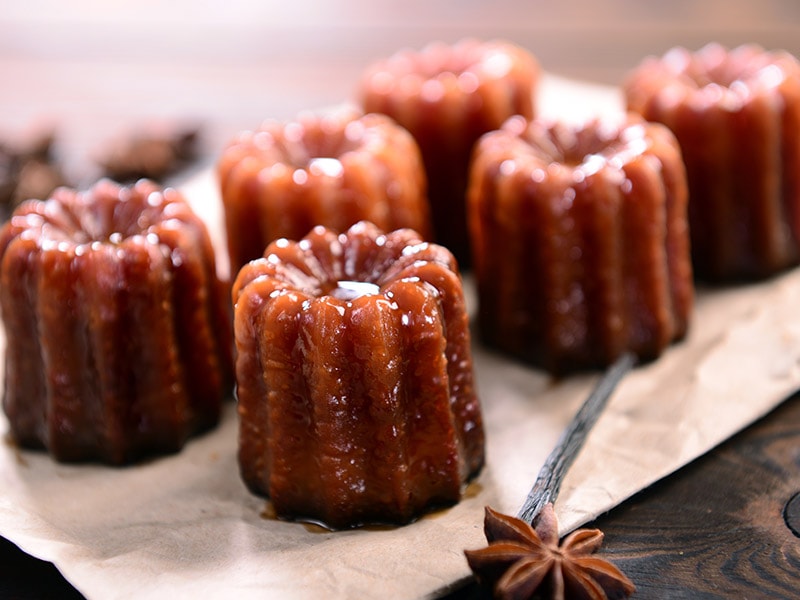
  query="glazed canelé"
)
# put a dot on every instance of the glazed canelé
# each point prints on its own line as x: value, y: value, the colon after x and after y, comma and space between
x: 354, y: 371
x: 736, y: 115
x: 333, y: 170
x: 447, y: 96
x: 118, y: 332
x: 580, y: 241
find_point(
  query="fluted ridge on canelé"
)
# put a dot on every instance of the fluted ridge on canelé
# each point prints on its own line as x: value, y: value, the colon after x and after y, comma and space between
x: 580, y: 241
x: 118, y: 331
x: 331, y: 169
x: 355, y: 408
x: 447, y: 96
x: 736, y: 114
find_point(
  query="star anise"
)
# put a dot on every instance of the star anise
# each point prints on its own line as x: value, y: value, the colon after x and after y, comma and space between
x: 522, y: 561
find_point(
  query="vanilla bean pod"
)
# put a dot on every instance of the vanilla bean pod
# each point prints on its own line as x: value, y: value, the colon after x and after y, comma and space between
x: 548, y: 483
x: 525, y: 558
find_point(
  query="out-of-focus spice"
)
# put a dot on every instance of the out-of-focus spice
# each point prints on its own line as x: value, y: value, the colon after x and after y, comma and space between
x: 28, y: 169
x: 152, y: 153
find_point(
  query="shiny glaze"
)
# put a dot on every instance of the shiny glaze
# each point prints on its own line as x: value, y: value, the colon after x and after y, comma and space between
x: 447, y: 96
x: 118, y: 336
x: 332, y: 170
x: 736, y: 115
x: 362, y: 409
x: 580, y: 241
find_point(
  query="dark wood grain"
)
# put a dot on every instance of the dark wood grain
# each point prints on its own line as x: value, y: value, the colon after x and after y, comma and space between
x: 717, y: 528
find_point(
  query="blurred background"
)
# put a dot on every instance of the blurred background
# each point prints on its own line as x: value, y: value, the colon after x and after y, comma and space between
x: 94, y: 68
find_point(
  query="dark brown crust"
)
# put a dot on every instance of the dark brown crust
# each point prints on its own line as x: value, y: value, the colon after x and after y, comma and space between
x: 361, y: 410
x: 580, y: 241
x: 272, y: 189
x: 736, y: 115
x: 119, y: 347
x: 472, y: 98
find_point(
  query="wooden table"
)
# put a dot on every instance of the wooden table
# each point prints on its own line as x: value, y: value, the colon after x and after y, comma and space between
x: 719, y: 528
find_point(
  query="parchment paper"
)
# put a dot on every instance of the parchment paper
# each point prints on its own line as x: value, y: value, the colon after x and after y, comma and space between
x: 184, y: 526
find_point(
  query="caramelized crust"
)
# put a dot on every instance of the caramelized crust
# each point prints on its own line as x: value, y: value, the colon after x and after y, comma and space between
x: 332, y: 170
x: 580, y: 241
x: 355, y: 406
x: 736, y: 115
x: 447, y: 96
x: 119, y: 342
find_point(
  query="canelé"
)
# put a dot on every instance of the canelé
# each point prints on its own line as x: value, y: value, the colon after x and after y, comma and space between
x: 736, y: 114
x: 331, y: 169
x: 355, y: 384
x: 118, y: 330
x: 580, y: 241
x: 447, y: 96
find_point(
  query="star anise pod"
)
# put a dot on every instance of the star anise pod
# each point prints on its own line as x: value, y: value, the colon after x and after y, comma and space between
x: 525, y: 562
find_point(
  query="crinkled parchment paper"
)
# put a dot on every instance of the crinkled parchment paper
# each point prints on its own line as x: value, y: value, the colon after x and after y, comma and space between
x: 184, y: 526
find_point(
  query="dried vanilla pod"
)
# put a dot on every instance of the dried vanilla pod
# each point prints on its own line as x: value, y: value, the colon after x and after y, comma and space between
x: 524, y: 558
